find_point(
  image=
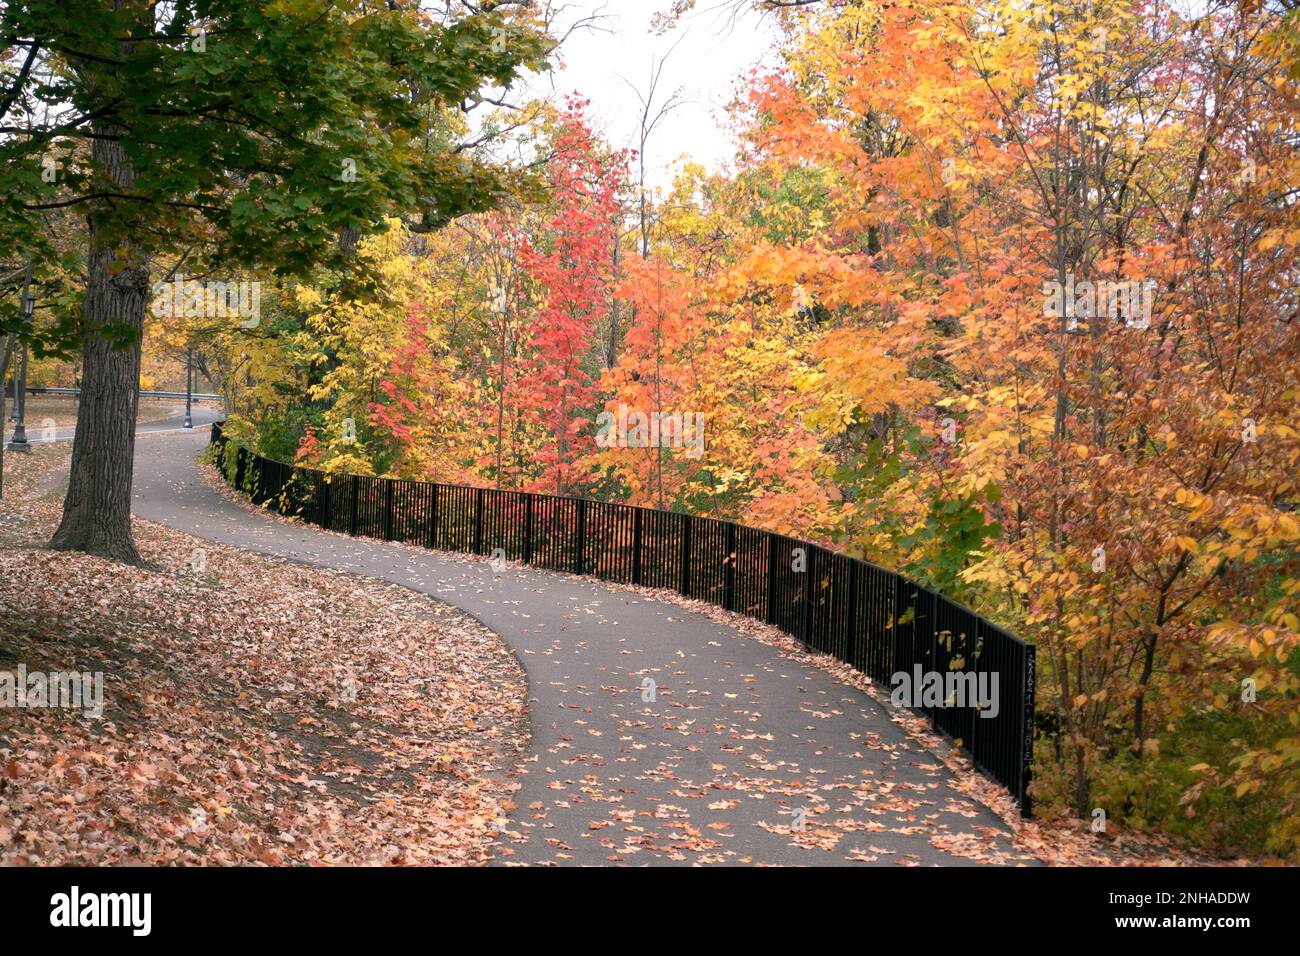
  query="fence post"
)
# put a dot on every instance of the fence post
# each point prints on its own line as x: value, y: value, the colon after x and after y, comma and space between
x: 282, y: 486
x: 808, y: 575
x: 729, y: 569
x: 325, y: 499
x: 579, y: 552
x: 896, y: 632
x: 478, y: 521
x: 850, y: 609
x: 528, y: 527
x: 637, y: 515
x: 388, y: 509
x: 933, y: 663
x: 771, y: 578
x: 685, y: 582
x: 432, y: 541
x: 352, y: 514
x: 1027, y: 718
x: 239, y: 468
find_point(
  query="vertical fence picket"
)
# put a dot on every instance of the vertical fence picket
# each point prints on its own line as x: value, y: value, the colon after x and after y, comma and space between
x: 431, y: 541
x: 388, y: 509
x: 638, y: 516
x: 806, y: 617
x: 580, y: 537
x: 478, y: 520
x: 729, y: 569
x: 528, y: 528
x: 685, y: 587
x: 352, y: 505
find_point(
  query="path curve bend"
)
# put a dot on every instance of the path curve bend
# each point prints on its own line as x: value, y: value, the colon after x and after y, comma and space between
x: 738, y: 744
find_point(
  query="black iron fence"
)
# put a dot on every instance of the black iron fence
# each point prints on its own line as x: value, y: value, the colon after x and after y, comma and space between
x: 877, y: 621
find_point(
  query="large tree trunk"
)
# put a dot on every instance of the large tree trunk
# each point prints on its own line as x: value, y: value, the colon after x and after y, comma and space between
x: 97, y: 509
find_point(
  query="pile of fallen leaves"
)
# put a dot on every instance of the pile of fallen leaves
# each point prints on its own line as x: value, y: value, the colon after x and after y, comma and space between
x: 255, y: 711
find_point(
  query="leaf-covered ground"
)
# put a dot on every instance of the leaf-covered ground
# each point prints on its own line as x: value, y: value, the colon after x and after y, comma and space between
x: 256, y: 711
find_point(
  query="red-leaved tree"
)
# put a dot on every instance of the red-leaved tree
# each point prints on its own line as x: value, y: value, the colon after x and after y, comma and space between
x: 568, y: 260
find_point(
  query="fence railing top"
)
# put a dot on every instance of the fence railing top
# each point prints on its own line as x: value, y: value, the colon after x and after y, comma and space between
x: 218, y: 435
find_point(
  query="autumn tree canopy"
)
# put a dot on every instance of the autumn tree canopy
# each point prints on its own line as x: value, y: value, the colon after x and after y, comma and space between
x: 218, y: 137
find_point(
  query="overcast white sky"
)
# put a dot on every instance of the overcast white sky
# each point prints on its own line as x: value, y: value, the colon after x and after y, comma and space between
x: 712, y: 51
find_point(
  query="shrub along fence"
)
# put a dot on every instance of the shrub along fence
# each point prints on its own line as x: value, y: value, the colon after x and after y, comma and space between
x: 875, y: 620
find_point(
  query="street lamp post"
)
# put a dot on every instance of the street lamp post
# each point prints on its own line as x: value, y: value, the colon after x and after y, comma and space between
x: 189, y: 386
x: 19, y: 440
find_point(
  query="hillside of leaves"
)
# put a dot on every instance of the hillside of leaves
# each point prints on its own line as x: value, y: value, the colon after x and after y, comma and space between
x: 861, y: 310
x: 256, y: 711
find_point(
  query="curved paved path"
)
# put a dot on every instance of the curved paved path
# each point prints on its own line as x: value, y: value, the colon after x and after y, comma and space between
x: 200, y: 415
x: 738, y: 741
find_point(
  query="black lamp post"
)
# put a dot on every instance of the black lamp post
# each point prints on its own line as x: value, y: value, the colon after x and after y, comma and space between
x: 19, y: 440
x: 189, y: 386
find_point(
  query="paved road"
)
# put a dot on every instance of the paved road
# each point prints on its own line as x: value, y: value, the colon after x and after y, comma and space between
x: 200, y: 415
x: 738, y: 744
